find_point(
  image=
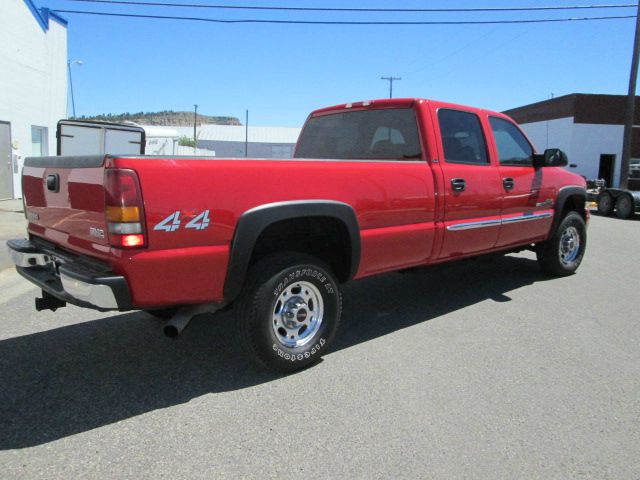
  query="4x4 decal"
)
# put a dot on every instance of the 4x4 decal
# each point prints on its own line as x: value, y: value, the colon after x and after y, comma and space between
x: 173, y: 222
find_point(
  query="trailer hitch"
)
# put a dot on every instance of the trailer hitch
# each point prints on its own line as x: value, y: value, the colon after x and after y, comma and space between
x: 49, y: 302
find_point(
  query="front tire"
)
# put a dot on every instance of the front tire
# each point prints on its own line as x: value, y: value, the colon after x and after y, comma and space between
x: 289, y: 311
x: 562, y: 254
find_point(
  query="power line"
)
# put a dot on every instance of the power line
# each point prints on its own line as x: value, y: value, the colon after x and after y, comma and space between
x: 359, y: 9
x: 333, y: 22
x: 431, y: 64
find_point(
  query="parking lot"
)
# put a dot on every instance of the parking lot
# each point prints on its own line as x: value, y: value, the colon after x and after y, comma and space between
x: 478, y: 369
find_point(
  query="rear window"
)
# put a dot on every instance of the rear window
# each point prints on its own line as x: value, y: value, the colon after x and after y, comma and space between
x: 365, y: 134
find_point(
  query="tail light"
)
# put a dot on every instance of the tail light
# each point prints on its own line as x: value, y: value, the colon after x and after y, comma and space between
x: 124, y: 209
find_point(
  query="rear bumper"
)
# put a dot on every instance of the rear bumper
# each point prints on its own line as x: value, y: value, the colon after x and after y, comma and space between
x: 85, y: 283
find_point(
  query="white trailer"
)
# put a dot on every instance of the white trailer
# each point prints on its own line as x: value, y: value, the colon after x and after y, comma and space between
x: 83, y: 137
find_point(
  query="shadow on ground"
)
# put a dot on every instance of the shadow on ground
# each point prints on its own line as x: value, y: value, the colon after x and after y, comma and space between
x: 612, y: 216
x: 76, y: 378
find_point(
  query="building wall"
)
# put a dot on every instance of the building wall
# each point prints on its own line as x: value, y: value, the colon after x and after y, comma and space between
x: 33, y: 82
x: 255, y: 149
x: 583, y: 143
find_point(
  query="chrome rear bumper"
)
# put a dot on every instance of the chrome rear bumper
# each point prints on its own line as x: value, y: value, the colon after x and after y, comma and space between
x: 68, y: 278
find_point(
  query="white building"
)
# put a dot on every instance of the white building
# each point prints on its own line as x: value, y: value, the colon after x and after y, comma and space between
x: 228, y: 141
x: 588, y: 127
x: 33, y: 86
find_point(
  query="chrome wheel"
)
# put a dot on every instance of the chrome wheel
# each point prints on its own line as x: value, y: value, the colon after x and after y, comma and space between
x: 569, y: 246
x: 297, y: 314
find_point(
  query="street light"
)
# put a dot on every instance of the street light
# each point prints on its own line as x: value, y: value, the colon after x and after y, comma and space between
x: 69, y: 63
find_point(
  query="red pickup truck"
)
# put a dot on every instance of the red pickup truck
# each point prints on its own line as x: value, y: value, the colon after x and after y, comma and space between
x: 373, y: 187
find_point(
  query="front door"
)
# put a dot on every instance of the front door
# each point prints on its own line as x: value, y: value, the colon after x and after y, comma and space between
x: 472, y: 186
x: 6, y: 167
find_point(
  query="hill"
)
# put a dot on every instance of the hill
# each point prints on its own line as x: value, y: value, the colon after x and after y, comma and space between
x: 165, y: 118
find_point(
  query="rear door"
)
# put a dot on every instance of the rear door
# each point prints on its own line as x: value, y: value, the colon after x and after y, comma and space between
x: 472, y: 185
x: 527, y: 206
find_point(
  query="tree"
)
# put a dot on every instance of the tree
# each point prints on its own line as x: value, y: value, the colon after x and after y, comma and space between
x: 186, y: 141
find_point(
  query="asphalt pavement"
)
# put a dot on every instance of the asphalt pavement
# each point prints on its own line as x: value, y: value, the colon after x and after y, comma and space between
x: 479, y: 369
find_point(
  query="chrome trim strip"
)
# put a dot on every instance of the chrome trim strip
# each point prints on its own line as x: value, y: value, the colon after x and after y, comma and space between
x: 472, y: 225
x: 99, y: 295
x: 493, y: 223
x: 527, y: 218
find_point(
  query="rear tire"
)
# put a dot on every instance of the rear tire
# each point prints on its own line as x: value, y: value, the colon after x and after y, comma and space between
x: 289, y: 311
x: 624, y: 206
x: 562, y: 254
x: 605, y: 204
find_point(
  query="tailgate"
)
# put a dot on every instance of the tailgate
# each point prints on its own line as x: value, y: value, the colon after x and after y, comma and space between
x: 65, y: 202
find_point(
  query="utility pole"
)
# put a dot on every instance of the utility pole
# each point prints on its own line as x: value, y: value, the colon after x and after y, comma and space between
x: 631, y: 103
x: 246, y: 134
x: 195, y: 118
x: 390, y: 79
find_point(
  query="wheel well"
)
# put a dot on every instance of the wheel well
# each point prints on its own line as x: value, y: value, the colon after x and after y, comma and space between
x: 324, y: 237
x: 574, y: 203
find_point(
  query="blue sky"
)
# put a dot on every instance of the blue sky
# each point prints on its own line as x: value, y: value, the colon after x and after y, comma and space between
x: 282, y: 72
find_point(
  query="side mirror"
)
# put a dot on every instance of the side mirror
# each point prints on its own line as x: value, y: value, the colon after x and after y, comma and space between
x: 552, y: 157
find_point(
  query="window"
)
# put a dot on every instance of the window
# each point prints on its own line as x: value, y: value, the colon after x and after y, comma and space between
x: 362, y: 134
x: 462, y: 137
x: 39, y: 142
x: 513, y: 147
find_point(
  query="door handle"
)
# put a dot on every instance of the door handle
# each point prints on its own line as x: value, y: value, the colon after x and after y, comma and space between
x: 508, y: 183
x: 458, y: 184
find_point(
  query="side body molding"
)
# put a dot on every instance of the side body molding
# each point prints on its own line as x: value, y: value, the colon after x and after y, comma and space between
x: 253, y: 222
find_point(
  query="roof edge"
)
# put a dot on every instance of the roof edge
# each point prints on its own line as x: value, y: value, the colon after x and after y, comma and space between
x: 43, y: 15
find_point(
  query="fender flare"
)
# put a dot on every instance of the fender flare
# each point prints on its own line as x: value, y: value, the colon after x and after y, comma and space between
x: 253, y: 222
x: 563, y: 194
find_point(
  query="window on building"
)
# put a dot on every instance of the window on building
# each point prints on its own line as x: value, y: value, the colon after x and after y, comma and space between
x: 39, y: 141
x: 462, y: 137
x: 513, y: 147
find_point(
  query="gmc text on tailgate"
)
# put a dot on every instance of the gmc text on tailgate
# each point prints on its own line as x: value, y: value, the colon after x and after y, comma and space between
x: 373, y: 187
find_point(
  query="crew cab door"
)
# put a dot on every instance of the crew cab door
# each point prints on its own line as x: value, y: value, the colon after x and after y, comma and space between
x: 527, y: 205
x: 472, y: 187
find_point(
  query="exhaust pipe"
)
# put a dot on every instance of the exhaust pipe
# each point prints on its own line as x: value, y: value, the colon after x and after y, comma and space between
x: 183, y: 316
